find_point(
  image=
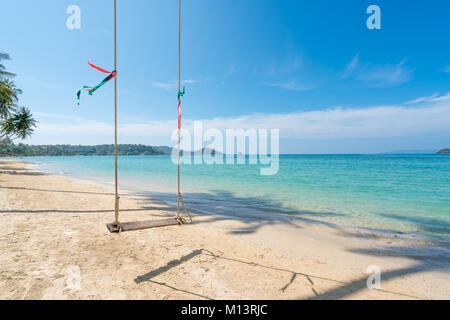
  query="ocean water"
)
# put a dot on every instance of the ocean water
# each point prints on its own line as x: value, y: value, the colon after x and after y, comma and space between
x: 400, y: 194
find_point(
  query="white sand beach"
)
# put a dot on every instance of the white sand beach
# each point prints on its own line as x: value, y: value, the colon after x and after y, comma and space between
x: 53, y: 230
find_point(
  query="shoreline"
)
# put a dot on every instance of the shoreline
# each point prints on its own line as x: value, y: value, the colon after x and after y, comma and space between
x: 277, y: 213
x: 246, y: 259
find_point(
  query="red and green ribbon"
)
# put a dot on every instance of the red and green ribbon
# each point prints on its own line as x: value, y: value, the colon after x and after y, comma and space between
x: 91, y: 90
x: 180, y: 94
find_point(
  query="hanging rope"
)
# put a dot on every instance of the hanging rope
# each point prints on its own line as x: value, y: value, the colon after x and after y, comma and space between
x: 180, y: 217
x: 91, y: 90
x: 116, y: 183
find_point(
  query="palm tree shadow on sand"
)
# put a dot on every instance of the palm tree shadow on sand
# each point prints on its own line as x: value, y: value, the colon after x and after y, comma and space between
x: 341, y: 289
x: 255, y: 213
x: 426, y: 257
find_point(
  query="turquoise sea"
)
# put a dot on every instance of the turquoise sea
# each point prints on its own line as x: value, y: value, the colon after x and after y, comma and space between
x: 400, y: 194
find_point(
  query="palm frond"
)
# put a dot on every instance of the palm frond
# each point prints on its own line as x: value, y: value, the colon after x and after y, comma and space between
x: 24, y: 123
x: 3, y: 73
x: 4, y: 56
x: 14, y: 123
x: 20, y: 125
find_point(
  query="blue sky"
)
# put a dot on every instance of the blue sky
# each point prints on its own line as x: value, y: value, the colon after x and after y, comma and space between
x: 310, y: 68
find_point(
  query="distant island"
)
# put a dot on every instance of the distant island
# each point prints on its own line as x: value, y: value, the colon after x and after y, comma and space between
x: 9, y: 149
x: 444, y: 151
x: 414, y: 151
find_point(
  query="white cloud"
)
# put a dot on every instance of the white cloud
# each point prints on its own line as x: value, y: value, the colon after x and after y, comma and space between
x: 293, y: 74
x: 387, y: 75
x: 292, y: 85
x: 382, y: 75
x: 375, y: 122
x: 430, y: 99
x: 174, y: 84
x: 338, y: 123
x: 289, y: 66
x: 446, y: 69
x: 352, y: 65
x: 441, y: 98
x: 189, y: 81
x: 165, y: 86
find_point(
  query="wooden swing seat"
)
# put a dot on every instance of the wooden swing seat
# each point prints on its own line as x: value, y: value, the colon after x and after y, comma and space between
x: 140, y: 225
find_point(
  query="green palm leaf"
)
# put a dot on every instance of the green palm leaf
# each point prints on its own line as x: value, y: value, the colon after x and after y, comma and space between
x: 14, y: 123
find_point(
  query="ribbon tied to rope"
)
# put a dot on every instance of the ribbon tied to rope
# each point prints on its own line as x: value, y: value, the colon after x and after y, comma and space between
x: 180, y: 94
x: 91, y: 90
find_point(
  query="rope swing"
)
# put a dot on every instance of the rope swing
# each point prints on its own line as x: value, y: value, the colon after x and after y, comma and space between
x: 181, y: 217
